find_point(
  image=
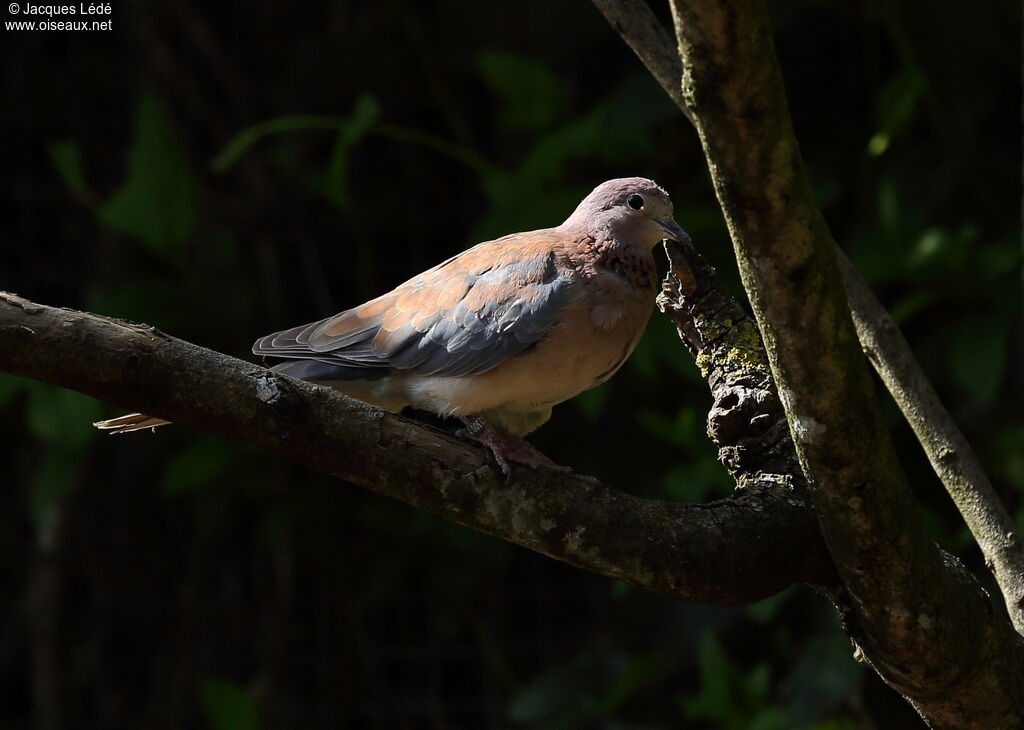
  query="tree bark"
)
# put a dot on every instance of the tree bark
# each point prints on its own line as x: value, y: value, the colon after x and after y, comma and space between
x: 918, y: 616
x: 950, y: 455
x: 948, y: 451
x: 736, y: 550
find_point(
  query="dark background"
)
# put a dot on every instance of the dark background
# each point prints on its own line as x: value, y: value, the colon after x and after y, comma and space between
x: 226, y: 170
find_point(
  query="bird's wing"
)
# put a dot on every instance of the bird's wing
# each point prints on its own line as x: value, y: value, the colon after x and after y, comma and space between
x: 462, y: 317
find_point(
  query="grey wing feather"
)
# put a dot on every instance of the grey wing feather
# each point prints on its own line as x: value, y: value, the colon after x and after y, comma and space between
x: 456, y: 319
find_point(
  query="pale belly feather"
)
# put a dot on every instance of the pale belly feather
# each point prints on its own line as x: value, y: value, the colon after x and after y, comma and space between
x: 582, y: 351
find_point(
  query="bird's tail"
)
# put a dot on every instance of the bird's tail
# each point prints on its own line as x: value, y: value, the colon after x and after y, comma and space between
x: 131, y: 422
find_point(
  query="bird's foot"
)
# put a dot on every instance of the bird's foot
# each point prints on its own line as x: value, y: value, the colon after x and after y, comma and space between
x: 506, y: 449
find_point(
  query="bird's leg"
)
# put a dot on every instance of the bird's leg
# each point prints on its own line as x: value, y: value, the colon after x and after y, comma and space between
x: 506, y: 448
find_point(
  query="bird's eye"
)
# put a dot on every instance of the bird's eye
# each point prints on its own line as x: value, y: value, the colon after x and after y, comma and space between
x: 634, y: 201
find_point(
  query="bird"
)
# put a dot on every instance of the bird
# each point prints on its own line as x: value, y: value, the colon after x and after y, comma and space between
x: 500, y: 333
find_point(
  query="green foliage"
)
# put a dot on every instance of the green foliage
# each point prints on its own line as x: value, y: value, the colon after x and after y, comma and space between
x: 56, y: 417
x: 590, y: 686
x: 591, y: 403
x: 729, y: 697
x: 249, y: 136
x: 977, y: 355
x: 896, y: 105
x: 336, y: 186
x: 10, y: 386
x: 765, y: 611
x: 199, y: 465
x: 350, y: 131
x: 1006, y: 454
x: 533, y: 193
x: 157, y: 201
x: 155, y: 302
x: 67, y: 160
x: 531, y: 97
x: 54, y: 479
x: 736, y: 700
x: 228, y: 706
x: 696, y: 474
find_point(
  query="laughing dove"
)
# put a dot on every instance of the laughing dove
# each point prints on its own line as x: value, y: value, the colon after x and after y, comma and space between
x: 501, y: 332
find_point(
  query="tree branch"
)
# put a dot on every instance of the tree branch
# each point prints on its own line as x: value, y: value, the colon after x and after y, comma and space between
x: 921, y: 620
x: 733, y: 551
x: 747, y: 421
x: 948, y: 451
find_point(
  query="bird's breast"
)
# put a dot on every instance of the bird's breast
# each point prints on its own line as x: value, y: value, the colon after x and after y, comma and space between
x: 634, y: 267
x: 609, y: 306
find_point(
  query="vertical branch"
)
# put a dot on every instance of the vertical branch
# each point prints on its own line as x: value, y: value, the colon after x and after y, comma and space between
x: 921, y: 620
x: 951, y: 456
x: 948, y: 451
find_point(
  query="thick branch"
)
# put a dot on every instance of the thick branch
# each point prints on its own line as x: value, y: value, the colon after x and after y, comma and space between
x: 922, y: 620
x: 950, y: 454
x: 948, y: 451
x: 732, y: 551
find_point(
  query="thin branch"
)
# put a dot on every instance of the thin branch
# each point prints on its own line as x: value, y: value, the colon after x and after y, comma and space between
x: 951, y: 456
x: 948, y: 451
x: 919, y: 617
x: 732, y: 551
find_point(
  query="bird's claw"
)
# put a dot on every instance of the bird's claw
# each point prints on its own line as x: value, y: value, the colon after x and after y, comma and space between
x: 507, y: 449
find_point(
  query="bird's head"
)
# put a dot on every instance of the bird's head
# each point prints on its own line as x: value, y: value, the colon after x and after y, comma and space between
x: 634, y: 210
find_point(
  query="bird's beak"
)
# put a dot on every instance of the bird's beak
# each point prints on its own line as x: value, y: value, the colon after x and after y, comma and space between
x: 672, y: 229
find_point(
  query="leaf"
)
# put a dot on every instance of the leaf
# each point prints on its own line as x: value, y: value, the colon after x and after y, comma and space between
x: 898, y: 100
x: 249, y: 136
x: 822, y: 677
x: 929, y: 245
x: 196, y: 466
x: 764, y: 611
x: 336, y: 180
x: 731, y: 699
x: 771, y: 718
x: 591, y: 403
x: 54, y: 479
x: 912, y: 304
x: 701, y: 477
x: 1007, y: 456
x: 878, y: 144
x: 10, y: 386
x: 157, y: 202
x: 556, y: 691
x: 627, y: 680
x: 889, y: 208
x: 531, y: 96
x: 977, y: 355
x: 67, y: 159
x: 684, y: 430
x: 897, y: 103
x: 229, y: 706
x: 60, y: 416
x: 155, y: 302
x: 620, y: 590
x: 714, y: 701
x: 535, y: 195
